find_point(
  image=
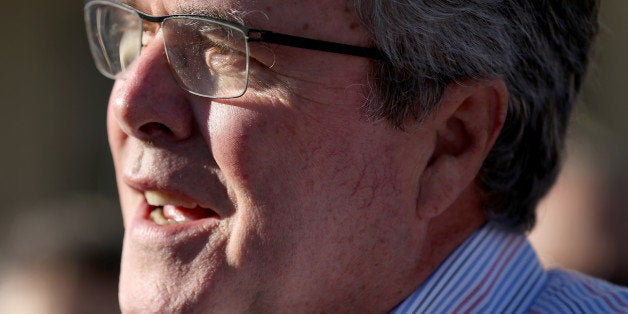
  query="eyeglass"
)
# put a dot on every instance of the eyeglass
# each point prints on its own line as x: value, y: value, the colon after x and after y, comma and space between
x: 209, y: 57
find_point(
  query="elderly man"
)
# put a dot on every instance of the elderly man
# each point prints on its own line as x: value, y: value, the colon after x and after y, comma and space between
x: 340, y: 156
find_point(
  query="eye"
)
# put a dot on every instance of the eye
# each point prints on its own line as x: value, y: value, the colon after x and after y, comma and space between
x: 215, y: 47
x: 224, y: 60
x: 224, y: 49
x: 208, y: 57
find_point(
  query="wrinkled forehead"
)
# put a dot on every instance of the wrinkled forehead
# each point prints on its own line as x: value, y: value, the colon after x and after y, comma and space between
x: 314, y: 17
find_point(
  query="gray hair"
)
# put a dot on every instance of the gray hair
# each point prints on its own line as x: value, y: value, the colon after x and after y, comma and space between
x: 539, y: 48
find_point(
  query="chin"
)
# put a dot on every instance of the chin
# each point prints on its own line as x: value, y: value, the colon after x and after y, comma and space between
x: 146, y: 286
x: 155, y: 290
x: 175, y: 280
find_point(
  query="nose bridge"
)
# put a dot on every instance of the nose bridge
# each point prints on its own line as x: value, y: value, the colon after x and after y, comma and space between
x: 148, y: 101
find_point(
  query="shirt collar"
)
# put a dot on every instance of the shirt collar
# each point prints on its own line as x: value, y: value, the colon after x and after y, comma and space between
x: 494, y: 270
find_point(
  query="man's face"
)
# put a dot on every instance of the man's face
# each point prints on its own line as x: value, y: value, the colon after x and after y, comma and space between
x: 295, y: 200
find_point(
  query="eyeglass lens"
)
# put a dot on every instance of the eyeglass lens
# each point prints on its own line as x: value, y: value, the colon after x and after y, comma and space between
x: 115, y: 37
x: 208, y: 58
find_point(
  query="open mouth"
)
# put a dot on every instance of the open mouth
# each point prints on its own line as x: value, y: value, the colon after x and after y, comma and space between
x: 167, y: 209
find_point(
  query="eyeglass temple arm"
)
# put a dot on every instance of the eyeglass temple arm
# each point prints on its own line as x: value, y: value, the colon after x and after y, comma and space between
x: 313, y: 44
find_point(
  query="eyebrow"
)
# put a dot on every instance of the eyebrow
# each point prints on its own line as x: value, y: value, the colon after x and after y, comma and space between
x: 130, y: 3
x: 231, y: 15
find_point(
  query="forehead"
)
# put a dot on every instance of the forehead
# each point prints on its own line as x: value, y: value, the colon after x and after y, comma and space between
x: 278, y: 15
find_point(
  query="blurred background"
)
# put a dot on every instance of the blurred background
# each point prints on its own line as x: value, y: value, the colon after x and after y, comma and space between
x: 60, y: 232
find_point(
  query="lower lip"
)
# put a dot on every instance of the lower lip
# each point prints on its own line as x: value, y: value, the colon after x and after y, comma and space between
x: 143, y: 230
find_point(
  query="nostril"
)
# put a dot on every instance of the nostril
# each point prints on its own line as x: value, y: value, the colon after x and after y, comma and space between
x: 155, y: 129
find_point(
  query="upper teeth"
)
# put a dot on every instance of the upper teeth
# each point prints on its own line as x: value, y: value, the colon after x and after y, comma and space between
x: 159, y: 198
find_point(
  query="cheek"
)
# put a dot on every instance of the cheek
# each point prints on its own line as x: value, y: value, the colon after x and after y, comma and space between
x: 270, y: 158
x: 239, y: 141
x: 256, y: 154
x: 254, y: 146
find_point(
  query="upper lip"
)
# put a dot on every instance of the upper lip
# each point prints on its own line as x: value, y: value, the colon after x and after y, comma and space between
x: 182, y: 172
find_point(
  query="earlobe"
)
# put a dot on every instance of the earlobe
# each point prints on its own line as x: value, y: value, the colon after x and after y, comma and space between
x: 467, y: 122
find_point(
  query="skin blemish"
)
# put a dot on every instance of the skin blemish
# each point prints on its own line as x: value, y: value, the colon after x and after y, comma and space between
x: 305, y: 26
x: 354, y: 25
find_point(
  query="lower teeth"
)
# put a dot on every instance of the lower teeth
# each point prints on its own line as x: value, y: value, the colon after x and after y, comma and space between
x: 157, y: 216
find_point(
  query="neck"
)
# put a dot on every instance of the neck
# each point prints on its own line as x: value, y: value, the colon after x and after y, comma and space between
x: 446, y: 232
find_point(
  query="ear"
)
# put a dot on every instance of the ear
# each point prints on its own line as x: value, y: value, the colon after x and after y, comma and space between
x: 467, y: 122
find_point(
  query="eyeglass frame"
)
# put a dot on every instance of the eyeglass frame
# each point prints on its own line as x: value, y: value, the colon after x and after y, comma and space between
x: 260, y: 35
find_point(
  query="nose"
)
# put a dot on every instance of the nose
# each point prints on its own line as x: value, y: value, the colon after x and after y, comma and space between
x: 148, y: 104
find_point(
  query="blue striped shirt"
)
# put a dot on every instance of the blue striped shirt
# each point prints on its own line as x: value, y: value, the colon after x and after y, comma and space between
x: 497, y: 271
